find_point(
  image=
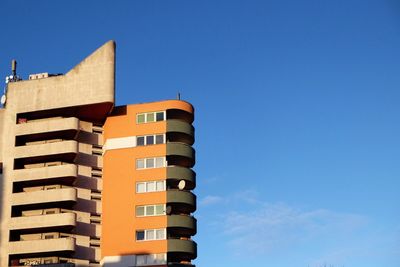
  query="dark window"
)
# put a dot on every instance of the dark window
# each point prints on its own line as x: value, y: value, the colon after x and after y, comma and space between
x: 160, y: 116
x: 159, y: 139
x: 150, y: 140
x: 140, y: 235
x: 140, y: 141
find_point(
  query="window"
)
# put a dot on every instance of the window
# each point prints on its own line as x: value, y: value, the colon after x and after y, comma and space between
x: 149, y: 163
x: 159, y: 162
x: 150, y: 117
x: 141, y: 118
x: 160, y: 116
x: 150, y: 210
x: 140, y: 235
x: 160, y: 186
x: 151, y: 259
x: 150, y: 234
x: 159, y: 139
x: 141, y: 187
x: 140, y: 211
x: 140, y: 164
x: 150, y: 186
x: 140, y: 141
x: 150, y: 140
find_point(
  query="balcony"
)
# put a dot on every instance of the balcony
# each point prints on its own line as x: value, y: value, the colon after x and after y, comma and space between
x: 44, y: 196
x: 62, y: 173
x: 180, y: 131
x: 182, y: 249
x: 182, y: 201
x: 64, y: 220
x: 42, y: 246
x: 62, y: 147
x: 177, y: 173
x: 180, y: 154
x: 46, y: 129
x: 182, y: 224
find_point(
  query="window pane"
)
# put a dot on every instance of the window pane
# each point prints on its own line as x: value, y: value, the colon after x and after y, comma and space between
x: 140, y: 118
x: 151, y: 259
x: 140, y: 187
x: 140, y: 211
x: 150, y: 163
x: 159, y: 258
x: 150, y: 140
x: 159, y: 139
x: 150, y: 235
x: 140, y: 164
x: 160, y: 116
x: 159, y: 209
x: 150, y: 117
x: 160, y: 234
x: 151, y: 186
x: 159, y: 162
x: 149, y: 210
x: 160, y: 186
x: 140, y: 141
x: 140, y: 259
x: 139, y: 235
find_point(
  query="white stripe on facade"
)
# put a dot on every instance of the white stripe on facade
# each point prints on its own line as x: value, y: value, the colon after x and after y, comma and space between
x: 119, y: 143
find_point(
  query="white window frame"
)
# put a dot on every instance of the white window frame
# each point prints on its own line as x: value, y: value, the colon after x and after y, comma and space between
x: 147, y: 182
x: 154, y: 231
x: 154, y: 161
x: 155, y: 116
x: 152, y: 215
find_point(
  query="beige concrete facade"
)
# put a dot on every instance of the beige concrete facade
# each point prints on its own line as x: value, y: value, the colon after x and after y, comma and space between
x: 50, y: 153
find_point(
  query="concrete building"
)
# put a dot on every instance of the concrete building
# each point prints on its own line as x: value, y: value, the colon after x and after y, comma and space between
x: 85, y: 183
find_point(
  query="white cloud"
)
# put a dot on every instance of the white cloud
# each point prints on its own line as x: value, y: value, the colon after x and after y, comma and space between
x: 210, y: 200
x: 273, y: 227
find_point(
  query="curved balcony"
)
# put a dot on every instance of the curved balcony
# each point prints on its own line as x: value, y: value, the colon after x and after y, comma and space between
x: 182, y: 224
x: 182, y: 201
x: 49, y: 222
x: 177, y: 173
x: 42, y: 245
x: 182, y: 249
x: 180, y: 114
x: 44, y: 196
x: 180, y: 154
x: 180, y: 131
x: 47, y: 175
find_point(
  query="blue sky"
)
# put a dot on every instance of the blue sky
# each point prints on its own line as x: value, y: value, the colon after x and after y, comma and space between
x: 297, y: 113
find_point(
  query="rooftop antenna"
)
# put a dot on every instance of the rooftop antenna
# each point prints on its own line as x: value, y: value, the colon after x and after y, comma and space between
x: 178, y: 96
x: 14, y: 67
x: 11, y: 78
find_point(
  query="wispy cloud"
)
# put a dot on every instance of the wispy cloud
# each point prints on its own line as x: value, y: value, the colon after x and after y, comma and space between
x: 210, y: 200
x: 273, y: 226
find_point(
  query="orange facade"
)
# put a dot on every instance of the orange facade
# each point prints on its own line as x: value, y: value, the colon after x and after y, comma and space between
x: 120, y: 175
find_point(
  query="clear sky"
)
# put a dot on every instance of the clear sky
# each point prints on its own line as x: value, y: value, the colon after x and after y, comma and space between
x: 297, y: 113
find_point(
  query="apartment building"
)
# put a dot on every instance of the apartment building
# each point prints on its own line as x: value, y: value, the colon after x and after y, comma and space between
x: 86, y: 183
